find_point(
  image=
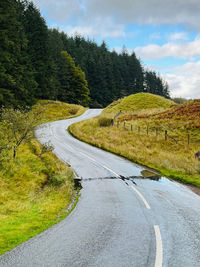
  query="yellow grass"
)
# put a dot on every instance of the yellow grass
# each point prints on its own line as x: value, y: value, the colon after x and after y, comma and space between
x: 173, y: 160
x: 56, y: 110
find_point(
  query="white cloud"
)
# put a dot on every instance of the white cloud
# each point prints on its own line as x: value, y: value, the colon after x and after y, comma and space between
x: 185, y: 80
x: 106, y: 29
x: 181, y: 50
x: 178, y: 36
x: 124, y: 12
x: 148, y: 12
x: 60, y: 11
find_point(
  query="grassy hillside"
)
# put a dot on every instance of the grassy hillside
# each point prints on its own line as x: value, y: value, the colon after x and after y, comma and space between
x: 138, y: 102
x: 56, y: 110
x: 142, y: 138
x: 183, y: 118
x: 36, y: 189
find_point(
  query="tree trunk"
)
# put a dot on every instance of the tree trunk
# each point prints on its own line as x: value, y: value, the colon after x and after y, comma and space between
x: 14, y: 152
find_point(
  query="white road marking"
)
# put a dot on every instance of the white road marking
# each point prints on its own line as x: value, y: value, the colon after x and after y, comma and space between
x: 111, y: 171
x: 141, y: 196
x: 159, y: 248
x: 105, y: 167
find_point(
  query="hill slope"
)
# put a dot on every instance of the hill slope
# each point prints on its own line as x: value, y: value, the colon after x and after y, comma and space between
x: 189, y: 113
x: 165, y: 140
x: 137, y: 102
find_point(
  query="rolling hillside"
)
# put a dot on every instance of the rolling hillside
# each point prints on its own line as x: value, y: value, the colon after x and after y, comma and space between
x: 138, y: 102
x: 151, y: 131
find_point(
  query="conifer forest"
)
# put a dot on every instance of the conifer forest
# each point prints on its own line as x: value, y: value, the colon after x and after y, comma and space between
x: 38, y: 62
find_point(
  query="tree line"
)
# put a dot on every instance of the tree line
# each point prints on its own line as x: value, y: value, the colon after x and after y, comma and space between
x: 41, y: 63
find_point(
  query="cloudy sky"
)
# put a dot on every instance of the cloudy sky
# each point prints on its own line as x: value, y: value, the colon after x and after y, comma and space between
x: 165, y: 34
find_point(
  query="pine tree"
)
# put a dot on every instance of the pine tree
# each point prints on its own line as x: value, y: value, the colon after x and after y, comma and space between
x: 17, y: 85
x: 154, y: 84
x: 73, y: 86
x: 79, y: 85
x: 37, y: 35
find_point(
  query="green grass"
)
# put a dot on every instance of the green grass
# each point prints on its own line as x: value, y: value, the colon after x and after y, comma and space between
x: 36, y: 190
x: 137, y: 102
x: 56, y: 110
x: 174, y: 160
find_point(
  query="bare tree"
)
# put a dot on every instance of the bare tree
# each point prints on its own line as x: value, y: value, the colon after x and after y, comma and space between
x: 20, y: 125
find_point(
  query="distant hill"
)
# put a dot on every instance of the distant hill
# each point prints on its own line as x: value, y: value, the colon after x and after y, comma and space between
x: 138, y: 102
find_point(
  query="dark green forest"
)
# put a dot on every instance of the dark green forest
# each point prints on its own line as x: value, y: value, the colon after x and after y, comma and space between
x: 41, y: 63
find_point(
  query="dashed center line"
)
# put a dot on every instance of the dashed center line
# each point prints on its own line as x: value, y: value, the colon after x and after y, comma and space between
x: 141, y: 196
x: 159, y: 248
x: 105, y: 167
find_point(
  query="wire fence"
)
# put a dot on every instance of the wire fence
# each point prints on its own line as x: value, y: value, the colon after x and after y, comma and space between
x: 159, y: 133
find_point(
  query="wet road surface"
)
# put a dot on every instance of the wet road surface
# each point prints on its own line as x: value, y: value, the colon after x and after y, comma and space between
x: 120, y: 219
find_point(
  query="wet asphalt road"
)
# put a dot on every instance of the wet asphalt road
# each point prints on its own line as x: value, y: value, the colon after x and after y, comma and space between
x: 116, y: 222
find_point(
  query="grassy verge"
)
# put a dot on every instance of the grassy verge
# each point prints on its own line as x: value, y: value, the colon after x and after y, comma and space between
x: 36, y: 189
x: 56, y: 110
x: 174, y: 160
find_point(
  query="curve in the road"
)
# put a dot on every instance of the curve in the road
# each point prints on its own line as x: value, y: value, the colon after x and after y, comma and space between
x: 119, y: 221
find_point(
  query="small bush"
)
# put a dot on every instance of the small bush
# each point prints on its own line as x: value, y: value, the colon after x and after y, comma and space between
x: 104, y: 121
x: 73, y: 110
x: 57, y: 180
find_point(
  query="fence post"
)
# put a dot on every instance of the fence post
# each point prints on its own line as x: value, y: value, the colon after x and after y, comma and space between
x: 188, y: 139
x: 131, y: 127
x: 138, y: 129
x: 147, y: 130
x: 165, y: 135
x: 124, y: 125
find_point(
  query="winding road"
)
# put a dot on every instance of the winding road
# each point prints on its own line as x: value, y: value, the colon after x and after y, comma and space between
x: 117, y: 222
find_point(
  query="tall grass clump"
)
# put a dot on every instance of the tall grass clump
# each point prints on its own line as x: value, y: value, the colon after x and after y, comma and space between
x: 104, y: 121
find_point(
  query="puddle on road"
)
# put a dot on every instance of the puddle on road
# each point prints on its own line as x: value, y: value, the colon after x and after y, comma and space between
x: 145, y: 174
x: 150, y: 175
